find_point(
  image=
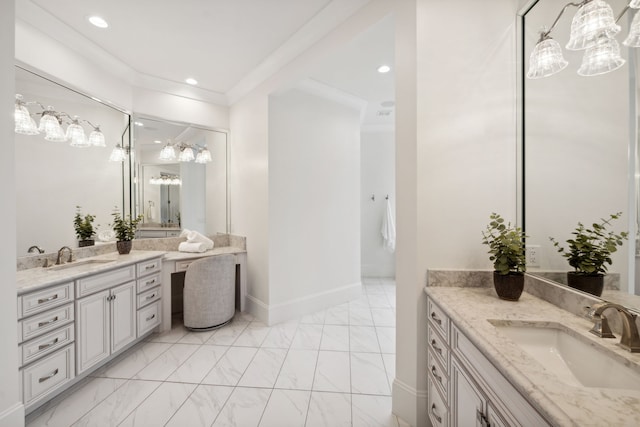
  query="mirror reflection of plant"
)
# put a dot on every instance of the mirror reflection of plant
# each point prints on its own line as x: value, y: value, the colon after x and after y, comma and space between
x: 83, y: 225
x: 590, y: 250
x: 506, y: 246
x: 125, y: 228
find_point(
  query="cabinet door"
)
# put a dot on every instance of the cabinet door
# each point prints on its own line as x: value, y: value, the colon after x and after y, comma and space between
x: 123, y: 315
x: 467, y: 402
x: 495, y: 418
x: 92, y: 330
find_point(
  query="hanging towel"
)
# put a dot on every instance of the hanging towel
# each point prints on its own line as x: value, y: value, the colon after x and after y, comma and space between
x: 388, y: 229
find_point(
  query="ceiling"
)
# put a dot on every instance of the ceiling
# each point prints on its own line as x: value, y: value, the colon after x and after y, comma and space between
x: 221, y: 43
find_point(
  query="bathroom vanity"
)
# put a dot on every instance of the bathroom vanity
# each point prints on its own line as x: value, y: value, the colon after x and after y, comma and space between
x: 483, y: 368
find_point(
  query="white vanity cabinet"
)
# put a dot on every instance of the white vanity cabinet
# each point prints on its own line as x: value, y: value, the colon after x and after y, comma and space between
x: 149, y: 295
x: 464, y: 388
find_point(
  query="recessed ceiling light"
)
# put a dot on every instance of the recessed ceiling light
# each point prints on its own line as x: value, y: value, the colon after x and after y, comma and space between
x: 157, y: 141
x: 138, y: 123
x: 384, y: 69
x: 191, y: 81
x: 98, y: 21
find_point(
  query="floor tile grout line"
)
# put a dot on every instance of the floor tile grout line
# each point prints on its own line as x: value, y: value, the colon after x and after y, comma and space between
x: 143, y: 400
x: 315, y: 370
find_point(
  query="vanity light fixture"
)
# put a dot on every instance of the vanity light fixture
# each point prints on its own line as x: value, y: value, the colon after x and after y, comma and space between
x: 168, y: 153
x: 203, y: 156
x: 98, y: 21
x: 593, y: 29
x: 166, y: 179
x: 75, y: 134
x: 186, y: 154
x: 24, y: 123
x: 118, y: 154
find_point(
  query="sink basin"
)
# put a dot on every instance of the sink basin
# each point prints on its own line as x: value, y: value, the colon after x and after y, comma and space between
x: 81, y: 263
x: 572, y: 359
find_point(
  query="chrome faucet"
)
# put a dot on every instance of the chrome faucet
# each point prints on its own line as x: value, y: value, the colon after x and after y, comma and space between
x: 630, y: 339
x: 59, y: 260
x: 35, y: 250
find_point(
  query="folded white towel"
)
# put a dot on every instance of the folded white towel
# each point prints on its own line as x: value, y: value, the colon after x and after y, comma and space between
x: 192, y: 247
x: 195, y: 237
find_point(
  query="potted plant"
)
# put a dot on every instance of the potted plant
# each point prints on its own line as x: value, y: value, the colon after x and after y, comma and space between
x: 83, y: 226
x: 125, y: 229
x: 506, y: 246
x: 589, y: 253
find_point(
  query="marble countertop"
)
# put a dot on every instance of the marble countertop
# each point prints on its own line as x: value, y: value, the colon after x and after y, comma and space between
x: 562, y: 405
x: 180, y: 256
x: 33, y: 279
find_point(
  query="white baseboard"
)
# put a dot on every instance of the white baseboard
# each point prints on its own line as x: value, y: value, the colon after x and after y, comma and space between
x: 13, y: 416
x: 276, y: 313
x: 410, y: 404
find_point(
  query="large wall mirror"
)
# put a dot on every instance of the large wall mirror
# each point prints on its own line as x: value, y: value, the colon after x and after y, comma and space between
x: 579, y: 152
x: 52, y: 178
x: 173, y: 193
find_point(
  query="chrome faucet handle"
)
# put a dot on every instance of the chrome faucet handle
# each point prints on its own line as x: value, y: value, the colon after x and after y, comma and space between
x: 601, y: 326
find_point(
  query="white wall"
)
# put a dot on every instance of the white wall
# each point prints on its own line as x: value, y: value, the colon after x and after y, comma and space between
x: 314, y: 209
x: 11, y: 408
x: 455, y: 158
x: 378, y: 177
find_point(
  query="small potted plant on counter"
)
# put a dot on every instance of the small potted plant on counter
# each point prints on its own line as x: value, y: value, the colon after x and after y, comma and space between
x: 506, y: 247
x: 589, y: 252
x: 125, y: 229
x: 84, y: 228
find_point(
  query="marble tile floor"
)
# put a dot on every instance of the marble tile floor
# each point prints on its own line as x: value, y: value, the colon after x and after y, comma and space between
x: 331, y: 368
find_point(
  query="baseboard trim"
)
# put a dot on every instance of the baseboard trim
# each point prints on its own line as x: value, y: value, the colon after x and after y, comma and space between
x: 292, y: 309
x: 12, y: 416
x: 409, y: 404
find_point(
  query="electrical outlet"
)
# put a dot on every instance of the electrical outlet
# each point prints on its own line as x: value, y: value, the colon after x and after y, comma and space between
x: 532, y: 255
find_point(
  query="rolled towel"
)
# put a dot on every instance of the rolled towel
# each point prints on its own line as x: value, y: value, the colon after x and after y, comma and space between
x: 185, y: 232
x: 192, y: 247
x: 195, y: 237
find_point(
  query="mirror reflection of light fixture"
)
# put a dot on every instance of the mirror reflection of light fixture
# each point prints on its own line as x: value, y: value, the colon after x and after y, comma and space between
x: 165, y: 179
x: 24, y: 123
x: 187, y: 153
x: 203, y: 156
x: 168, y: 153
x: 593, y: 28
x: 75, y: 134
x: 119, y: 154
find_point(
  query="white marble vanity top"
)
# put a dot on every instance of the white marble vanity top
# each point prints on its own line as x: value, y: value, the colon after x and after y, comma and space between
x: 36, y: 278
x: 562, y: 405
x: 178, y: 256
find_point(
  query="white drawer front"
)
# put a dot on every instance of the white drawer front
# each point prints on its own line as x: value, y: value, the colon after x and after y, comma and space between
x: 148, y: 318
x: 149, y: 267
x: 438, y: 319
x: 147, y: 283
x: 92, y: 284
x: 37, y: 302
x: 46, y: 344
x: 45, y: 322
x: 438, y: 410
x: 182, y: 265
x: 149, y: 234
x: 174, y: 233
x: 149, y: 297
x: 47, y: 374
x: 438, y: 348
x: 438, y: 375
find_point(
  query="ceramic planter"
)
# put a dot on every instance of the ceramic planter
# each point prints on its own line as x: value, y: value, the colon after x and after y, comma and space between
x: 124, y: 246
x: 508, y: 287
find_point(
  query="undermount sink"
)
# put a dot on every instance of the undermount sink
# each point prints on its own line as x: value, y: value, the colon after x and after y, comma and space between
x: 81, y: 263
x: 571, y: 359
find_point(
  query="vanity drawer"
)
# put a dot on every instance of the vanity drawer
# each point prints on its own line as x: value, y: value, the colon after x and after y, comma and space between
x: 149, y: 297
x: 98, y: 282
x: 183, y: 265
x: 437, y: 373
x: 47, y: 374
x: 148, y: 282
x: 436, y: 407
x: 439, y: 348
x: 148, y: 318
x: 45, y: 322
x: 149, y: 267
x: 37, y: 302
x: 46, y: 344
x: 438, y: 319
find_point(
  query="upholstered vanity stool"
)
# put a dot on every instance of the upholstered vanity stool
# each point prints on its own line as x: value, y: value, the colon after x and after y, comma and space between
x: 210, y: 292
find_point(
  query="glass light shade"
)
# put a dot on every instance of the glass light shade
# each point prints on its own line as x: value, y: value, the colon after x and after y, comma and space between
x: 589, y: 22
x: 76, y: 135
x: 118, y: 154
x: 634, y: 4
x: 50, y: 125
x: 186, y: 155
x: 204, y: 156
x: 601, y: 58
x: 96, y: 138
x: 176, y: 181
x: 633, y: 39
x: 24, y: 123
x: 56, y: 135
x: 168, y: 153
x: 546, y: 59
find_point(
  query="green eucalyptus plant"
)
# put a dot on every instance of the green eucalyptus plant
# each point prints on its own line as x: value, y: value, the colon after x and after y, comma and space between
x: 125, y: 228
x: 83, y: 225
x: 590, y: 250
x: 506, y: 246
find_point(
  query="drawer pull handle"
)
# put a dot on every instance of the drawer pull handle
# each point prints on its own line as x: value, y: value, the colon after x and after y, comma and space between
x: 435, y: 318
x: 47, y: 345
x: 435, y: 347
x: 152, y: 296
x: 51, y: 298
x: 51, y: 375
x: 151, y: 282
x: 151, y: 317
x: 149, y: 267
x: 48, y: 322
x: 435, y: 374
x: 433, y: 411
